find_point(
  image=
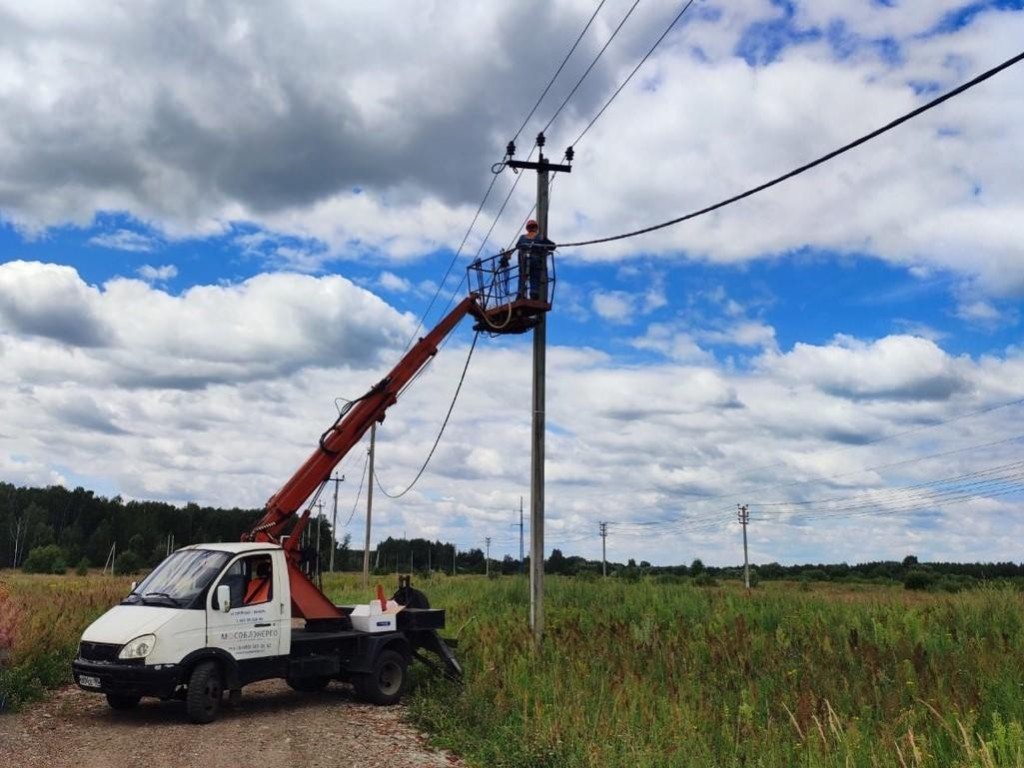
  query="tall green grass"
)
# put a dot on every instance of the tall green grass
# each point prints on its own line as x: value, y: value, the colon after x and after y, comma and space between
x: 653, y: 674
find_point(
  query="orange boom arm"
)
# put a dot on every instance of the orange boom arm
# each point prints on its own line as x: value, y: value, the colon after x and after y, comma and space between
x: 308, y: 601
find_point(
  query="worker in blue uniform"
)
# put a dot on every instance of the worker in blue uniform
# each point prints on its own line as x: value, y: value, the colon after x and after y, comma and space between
x: 533, y: 256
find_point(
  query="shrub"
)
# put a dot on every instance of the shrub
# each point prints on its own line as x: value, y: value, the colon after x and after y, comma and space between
x: 48, y: 559
x: 127, y: 563
x: 705, y: 579
x: 918, y: 579
x: 82, y: 569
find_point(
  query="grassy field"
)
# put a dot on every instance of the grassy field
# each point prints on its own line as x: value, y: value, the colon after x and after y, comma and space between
x: 663, y: 674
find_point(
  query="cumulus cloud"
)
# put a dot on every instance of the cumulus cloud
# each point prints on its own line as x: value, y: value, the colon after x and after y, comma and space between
x: 157, y: 274
x: 387, y: 163
x: 895, y: 367
x: 125, y: 240
x: 238, y: 381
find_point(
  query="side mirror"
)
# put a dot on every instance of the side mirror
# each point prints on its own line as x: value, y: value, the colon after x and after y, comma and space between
x: 224, y: 597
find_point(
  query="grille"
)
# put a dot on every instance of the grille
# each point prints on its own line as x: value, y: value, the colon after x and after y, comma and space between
x: 98, y: 651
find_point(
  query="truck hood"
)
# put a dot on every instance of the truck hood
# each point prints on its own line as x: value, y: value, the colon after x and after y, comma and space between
x: 126, y: 622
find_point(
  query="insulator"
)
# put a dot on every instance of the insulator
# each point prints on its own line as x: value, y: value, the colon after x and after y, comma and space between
x: 510, y: 150
x: 569, y: 154
x: 540, y: 139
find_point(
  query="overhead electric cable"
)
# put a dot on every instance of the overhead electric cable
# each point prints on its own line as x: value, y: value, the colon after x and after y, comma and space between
x: 444, y: 424
x: 882, y: 439
x: 814, y: 163
x: 359, y: 493
x: 618, y: 90
x: 636, y: 69
x: 597, y: 58
x: 560, y: 68
x: 451, y: 264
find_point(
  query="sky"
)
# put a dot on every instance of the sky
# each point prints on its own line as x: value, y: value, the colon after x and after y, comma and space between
x: 217, y: 219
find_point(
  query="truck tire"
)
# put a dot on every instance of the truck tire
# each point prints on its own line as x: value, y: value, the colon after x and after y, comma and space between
x: 386, y: 683
x: 205, y: 689
x: 120, y: 701
x: 308, y: 684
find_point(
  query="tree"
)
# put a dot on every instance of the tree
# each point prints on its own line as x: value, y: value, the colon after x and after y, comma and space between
x: 48, y: 559
x: 909, y: 561
x: 697, y: 567
x: 556, y: 563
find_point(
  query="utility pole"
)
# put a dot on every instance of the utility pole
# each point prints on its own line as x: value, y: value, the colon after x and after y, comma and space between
x: 603, y: 527
x: 455, y: 553
x: 543, y: 168
x: 744, y: 517
x: 520, y: 524
x: 487, y: 558
x: 369, y: 509
x: 337, y: 480
x: 319, y: 544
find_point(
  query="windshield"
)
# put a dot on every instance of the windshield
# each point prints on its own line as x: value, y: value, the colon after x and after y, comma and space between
x: 179, y: 579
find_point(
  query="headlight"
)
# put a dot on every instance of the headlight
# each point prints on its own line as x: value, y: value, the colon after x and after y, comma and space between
x: 138, y: 648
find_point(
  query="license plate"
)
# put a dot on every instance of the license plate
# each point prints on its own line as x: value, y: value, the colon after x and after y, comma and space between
x: 87, y: 681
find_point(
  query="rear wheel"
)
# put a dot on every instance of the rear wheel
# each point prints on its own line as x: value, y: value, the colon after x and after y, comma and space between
x: 120, y: 701
x: 308, y: 684
x: 386, y: 683
x: 205, y: 689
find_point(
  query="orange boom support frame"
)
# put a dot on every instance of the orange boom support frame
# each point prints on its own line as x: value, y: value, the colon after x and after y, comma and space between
x: 308, y: 601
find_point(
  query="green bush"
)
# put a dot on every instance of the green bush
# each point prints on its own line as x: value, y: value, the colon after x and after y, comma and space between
x: 82, y: 569
x: 48, y: 559
x: 127, y: 563
x: 918, y: 579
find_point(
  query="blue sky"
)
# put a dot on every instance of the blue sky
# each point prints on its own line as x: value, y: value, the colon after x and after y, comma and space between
x: 192, y: 269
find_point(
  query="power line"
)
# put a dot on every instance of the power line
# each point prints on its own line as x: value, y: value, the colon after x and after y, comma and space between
x: 560, y: 68
x: 618, y: 90
x: 444, y: 424
x: 592, y: 65
x: 814, y: 163
x: 636, y: 69
x: 882, y: 439
x: 362, y: 479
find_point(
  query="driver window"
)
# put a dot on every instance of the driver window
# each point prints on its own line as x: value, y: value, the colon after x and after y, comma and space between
x: 251, y: 581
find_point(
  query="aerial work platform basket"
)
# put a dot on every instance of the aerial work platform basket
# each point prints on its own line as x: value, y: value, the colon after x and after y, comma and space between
x: 514, y: 288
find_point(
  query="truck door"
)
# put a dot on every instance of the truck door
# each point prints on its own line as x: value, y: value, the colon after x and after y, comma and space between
x: 253, y: 626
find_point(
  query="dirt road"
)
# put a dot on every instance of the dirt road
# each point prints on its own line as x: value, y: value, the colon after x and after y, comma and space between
x: 274, y: 727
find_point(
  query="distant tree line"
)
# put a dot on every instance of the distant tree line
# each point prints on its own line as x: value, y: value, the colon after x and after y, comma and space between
x: 52, y: 529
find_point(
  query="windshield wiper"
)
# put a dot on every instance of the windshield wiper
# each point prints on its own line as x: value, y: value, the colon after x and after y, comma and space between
x: 177, y: 603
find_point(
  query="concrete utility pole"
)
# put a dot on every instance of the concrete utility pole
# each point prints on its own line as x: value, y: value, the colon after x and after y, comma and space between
x: 543, y: 168
x: 369, y: 510
x: 744, y: 517
x: 337, y: 480
x: 487, y: 558
x: 603, y: 527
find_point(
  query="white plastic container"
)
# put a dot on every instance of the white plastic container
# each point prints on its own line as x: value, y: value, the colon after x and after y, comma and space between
x: 370, y: 617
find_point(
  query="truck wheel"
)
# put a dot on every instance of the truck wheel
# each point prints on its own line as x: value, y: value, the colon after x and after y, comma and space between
x: 308, y: 684
x: 204, y: 693
x: 120, y: 701
x: 386, y: 683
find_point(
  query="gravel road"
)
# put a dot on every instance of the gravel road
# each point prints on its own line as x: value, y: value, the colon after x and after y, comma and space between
x: 274, y: 727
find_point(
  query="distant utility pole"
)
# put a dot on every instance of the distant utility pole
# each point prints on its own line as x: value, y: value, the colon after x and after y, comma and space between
x: 743, y: 515
x: 369, y: 510
x: 337, y: 480
x: 520, y: 524
x: 487, y: 558
x: 543, y: 168
x: 603, y: 527
x: 455, y: 553
x: 522, y: 554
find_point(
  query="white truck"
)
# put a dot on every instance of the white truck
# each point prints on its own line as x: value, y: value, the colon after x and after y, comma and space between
x: 215, y: 617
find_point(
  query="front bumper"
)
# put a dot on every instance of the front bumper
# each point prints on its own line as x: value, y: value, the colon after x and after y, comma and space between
x: 127, y: 679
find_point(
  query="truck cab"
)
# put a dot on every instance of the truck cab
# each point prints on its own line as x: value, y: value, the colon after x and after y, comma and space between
x: 215, y: 617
